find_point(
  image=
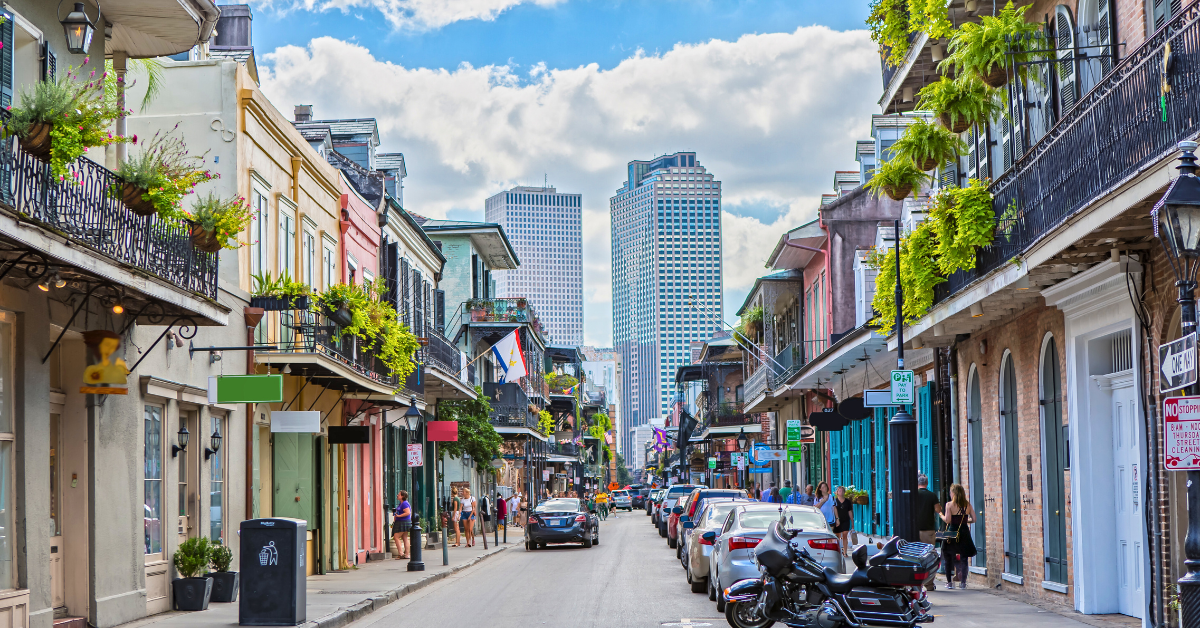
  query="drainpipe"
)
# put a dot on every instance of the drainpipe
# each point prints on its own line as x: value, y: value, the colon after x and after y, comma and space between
x: 953, y: 368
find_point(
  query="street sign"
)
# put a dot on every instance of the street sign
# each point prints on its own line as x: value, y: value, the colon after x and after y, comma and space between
x: 416, y: 455
x: 764, y: 454
x: 902, y: 387
x: 878, y: 398
x: 1181, y: 433
x: 1177, y: 363
x: 741, y: 462
x: 712, y: 463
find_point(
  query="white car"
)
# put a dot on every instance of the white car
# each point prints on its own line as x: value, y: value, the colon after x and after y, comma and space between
x: 621, y: 500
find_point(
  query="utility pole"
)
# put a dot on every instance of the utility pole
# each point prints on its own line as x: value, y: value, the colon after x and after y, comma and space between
x: 902, y: 429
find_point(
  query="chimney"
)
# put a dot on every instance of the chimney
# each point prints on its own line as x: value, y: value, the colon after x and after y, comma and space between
x: 233, y: 27
x: 303, y: 113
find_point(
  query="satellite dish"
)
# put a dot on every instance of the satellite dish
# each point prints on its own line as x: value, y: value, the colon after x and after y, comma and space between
x: 853, y: 409
x: 827, y: 421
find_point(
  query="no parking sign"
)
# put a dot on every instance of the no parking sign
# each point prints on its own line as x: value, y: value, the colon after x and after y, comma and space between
x: 1181, y: 433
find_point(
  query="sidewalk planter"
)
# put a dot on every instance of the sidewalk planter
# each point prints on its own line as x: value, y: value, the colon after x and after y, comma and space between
x: 191, y: 594
x: 224, y: 586
x: 131, y: 196
x: 37, y: 141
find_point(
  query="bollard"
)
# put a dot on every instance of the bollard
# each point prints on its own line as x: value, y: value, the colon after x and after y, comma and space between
x: 496, y: 536
x: 416, y: 562
x: 445, y: 543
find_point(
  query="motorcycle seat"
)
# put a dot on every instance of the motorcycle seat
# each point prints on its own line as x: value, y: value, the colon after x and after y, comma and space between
x: 842, y: 583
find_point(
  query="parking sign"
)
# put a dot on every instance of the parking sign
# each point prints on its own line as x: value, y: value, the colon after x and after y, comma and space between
x: 902, y: 387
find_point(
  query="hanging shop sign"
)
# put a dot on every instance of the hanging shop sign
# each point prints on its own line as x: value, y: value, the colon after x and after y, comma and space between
x: 416, y: 455
x: 108, y: 375
x: 1177, y: 361
x: 246, y: 388
x: 878, y: 398
x: 303, y: 422
x: 342, y: 434
x: 1181, y: 433
x: 441, y: 431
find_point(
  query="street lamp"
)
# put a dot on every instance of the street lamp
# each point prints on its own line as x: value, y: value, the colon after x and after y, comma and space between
x: 742, y: 443
x: 1178, y: 215
x: 416, y: 562
x: 79, y: 30
x: 183, y: 437
x: 214, y: 444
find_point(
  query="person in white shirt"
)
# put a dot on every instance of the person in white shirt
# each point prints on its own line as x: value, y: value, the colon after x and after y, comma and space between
x: 467, y: 504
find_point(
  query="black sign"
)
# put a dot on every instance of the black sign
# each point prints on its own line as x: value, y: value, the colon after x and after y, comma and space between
x: 827, y: 421
x: 853, y: 409
x: 349, y: 434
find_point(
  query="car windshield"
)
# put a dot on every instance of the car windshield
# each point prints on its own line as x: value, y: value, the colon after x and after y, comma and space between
x: 718, y: 511
x: 802, y: 519
x: 620, y: 494
x: 559, y: 505
x: 679, y: 491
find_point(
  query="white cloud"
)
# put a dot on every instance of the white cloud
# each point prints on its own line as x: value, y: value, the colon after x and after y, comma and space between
x: 412, y: 14
x: 772, y: 116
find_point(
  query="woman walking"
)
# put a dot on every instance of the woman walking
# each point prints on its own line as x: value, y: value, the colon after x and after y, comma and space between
x: 824, y: 502
x: 844, y: 518
x: 401, y: 524
x: 958, y: 514
x: 524, y: 511
x: 455, y: 515
x: 466, y: 506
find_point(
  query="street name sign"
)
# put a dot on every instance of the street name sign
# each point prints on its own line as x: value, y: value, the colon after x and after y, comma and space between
x: 902, y: 387
x: 878, y: 398
x: 1177, y: 363
x: 1181, y: 433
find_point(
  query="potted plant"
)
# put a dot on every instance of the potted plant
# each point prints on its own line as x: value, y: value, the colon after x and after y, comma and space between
x: 215, y: 222
x: 344, y: 305
x: 961, y: 103
x: 521, y: 303
x: 963, y: 220
x: 928, y: 144
x: 156, y: 179
x: 280, y: 293
x: 192, y: 591
x: 58, y: 120
x: 224, y: 582
x: 896, y: 178
x: 987, y: 49
x: 477, y: 312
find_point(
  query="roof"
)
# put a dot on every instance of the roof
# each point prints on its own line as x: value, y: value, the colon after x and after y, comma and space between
x: 487, y: 237
x: 350, y: 126
x: 783, y: 275
x: 242, y: 54
x: 315, y: 133
x: 810, y: 234
x: 416, y: 226
x: 391, y: 161
x: 367, y: 183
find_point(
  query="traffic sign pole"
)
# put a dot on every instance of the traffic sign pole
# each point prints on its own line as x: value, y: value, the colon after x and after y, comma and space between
x: 902, y: 428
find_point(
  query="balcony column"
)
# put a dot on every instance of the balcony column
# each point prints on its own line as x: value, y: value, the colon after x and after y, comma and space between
x: 120, y: 59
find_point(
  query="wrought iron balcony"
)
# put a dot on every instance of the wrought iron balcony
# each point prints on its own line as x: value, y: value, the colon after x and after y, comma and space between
x: 499, y: 311
x: 302, y: 331
x: 442, y: 355
x: 1116, y: 130
x: 87, y: 214
x: 759, y: 382
x: 729, y: 413
x: 510, y: 405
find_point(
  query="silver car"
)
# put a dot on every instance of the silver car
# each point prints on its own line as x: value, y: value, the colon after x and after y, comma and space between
x: 732, y: 556
x: 622, y: 500
x: 698, y: 549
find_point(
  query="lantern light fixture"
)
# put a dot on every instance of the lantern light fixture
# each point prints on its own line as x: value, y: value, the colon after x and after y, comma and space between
x: 79, y: 30
x: 412, y: 416
x: 183, y: 436
x: 214, y: 444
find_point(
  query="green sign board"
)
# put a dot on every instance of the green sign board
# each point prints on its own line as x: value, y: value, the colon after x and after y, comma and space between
x: 795, y: 434
x: 902, y: 387
x: 712, y: 463
x: 249, y: 388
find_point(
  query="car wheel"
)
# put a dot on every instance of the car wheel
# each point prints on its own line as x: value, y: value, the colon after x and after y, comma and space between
x: 530, y: 546
x: 712, y: 591
x: 662, y: 530
x: 698, y: 586
x: 720, y: 599
x: 587, y: 542
x: 672, y: 543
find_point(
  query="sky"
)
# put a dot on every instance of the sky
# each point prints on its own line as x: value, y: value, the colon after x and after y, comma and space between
x: 483, y: 95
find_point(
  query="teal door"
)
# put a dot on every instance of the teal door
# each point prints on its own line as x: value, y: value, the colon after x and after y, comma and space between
x: 927, y: 450
x: 880, y: 504
x: 1054, y: 444
x: 975, y: 462
x: 294, y: 477
x: 1013, y: 554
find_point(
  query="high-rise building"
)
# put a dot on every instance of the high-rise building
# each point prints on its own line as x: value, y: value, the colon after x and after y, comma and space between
x: 603, y: 368
x: 666, y: 241
x: 545, y: 227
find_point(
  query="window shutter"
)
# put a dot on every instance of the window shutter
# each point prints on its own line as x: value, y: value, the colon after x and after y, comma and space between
x: 428, y: 309
x: 949, y: 174
x: 418, y: 326
x: 972, y: 157
x: 439, y: 307
x: 1006, y: 145
x: 49, y: 63
x: 391, y: 261
x: 1064, y: 31
x: 1104, y: 23
x: 405, y: 295
x: 1039, y: 109
x: 1162, y: 12
x: 983, y: 168
x: 6, y: 62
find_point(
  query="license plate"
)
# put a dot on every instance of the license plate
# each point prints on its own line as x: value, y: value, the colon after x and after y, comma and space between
x: 557, y: 522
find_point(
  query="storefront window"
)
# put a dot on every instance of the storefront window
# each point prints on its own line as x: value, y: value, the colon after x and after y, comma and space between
x: 7, y: 572
x: 217, y: 492
x: 153, y: 480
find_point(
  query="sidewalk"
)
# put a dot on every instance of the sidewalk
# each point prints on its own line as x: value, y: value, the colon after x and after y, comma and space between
x: 337, y: 599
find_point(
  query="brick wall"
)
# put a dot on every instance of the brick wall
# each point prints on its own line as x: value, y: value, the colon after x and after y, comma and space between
x: 1022, y: 335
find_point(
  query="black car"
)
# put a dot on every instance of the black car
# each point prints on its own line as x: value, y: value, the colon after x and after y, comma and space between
x: 561, y: 520
x: 639, y: 493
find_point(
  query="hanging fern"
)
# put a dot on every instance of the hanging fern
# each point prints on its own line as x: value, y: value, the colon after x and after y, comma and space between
x: 962, y: 102
x: 964, y: 221
x: 889, y: 24
x: 928, y: 144
x: 984, y: 47
x: 918, y: 271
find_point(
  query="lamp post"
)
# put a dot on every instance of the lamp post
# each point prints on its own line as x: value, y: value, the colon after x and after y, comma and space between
x: 1177, y: 225
x: 412, y: 419
x: 902, y: 428
x: 742, y: 442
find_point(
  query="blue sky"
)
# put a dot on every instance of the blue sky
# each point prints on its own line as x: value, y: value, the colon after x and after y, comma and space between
x: 481, y: 95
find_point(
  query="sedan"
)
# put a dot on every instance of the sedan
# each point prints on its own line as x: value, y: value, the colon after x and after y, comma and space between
x: 732, y: 557
x: 561, y: 520
x: 621, y: 500
x: 711, y: 519
x: 673, y: 496
x: 652, y: 504
x: 682, y: 514
x: 639, y: 495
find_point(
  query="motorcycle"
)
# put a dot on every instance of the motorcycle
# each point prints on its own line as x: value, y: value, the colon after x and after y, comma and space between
x: 798, y: 591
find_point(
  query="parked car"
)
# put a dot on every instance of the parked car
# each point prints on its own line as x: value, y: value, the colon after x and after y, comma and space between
x: 561, y: 520
x: 621, y: 500
x: 670, y: 499
x: 711, y: 519
x: 652, y: 504
x: 686, y: 508
x: 639, y: 495
x: 732, y: 556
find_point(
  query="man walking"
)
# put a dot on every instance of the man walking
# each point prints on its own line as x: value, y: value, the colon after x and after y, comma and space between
x: 804, y: 499
x: 928, y: 507
x: 786, y: 491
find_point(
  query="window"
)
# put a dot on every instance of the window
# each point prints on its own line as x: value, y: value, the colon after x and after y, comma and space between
x: 329, y: 274
x: 308, y: 258
x: 287, y: 244
x: 216, y: 504
x: 351, y: 269
x: 258, y: 232
x: 153, y: 460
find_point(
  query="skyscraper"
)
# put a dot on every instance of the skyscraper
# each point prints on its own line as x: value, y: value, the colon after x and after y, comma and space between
x: 545, y: 228
x: 666, y: 239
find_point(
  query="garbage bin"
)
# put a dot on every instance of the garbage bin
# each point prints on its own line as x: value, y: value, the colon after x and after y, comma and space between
x: 273, y: 572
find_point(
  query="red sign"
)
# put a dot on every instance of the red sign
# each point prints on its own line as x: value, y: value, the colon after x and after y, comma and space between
x: 1181, y: 433
x: 442, y: 431
x: 416, y: 455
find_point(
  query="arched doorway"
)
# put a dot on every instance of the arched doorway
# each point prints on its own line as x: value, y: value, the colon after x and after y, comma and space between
x: 1014, y: 561
x: 1054, y: 459
x: 975, y: 464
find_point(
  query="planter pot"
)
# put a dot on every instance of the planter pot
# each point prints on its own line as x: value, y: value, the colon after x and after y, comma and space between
x: 863, y: 500
x: 341, y: 316
x: 131, y: 196
x: 897, y: 193
x: 302, y: 302
x: 996, y: 78
x: 271, y: 304
x: 204, y: 239
x: 191, y: 594
x: 37, y: 141
x: 960, y: 125
x: 225, y: 586
x: 927, y: 164
x: 478, y: 315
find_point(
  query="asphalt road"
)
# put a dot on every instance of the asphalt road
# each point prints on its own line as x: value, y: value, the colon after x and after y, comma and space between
x: 631, y: 579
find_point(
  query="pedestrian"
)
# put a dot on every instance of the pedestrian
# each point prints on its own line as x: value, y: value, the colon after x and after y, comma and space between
x: 757, y: 490
x: 501, y: 511
x: 514, y: 508
x: 807, y: 498
x: 772, y: 496
x: 928, y: 507
x: 958, y: 514
x: 401, y: 524
x: 466, y: 506
x: 824, y: 501
x: 524, y: 504
x: 844, y: 518
x: 785, y: 492
x: 456, y: 515
x: 602, y: 504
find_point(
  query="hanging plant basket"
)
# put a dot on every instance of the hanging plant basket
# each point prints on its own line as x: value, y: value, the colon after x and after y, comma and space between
x: 341, y: 316
x: 927, y: 164
x: 997, y: 78
x: 863, y: 500
x: 204, y: 239
x: 37, y: 141
x: 959, y: 126
x: 897, y: 193
x: 131, y: 196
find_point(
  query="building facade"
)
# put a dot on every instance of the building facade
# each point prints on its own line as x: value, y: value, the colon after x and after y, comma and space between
x: 546, y: 228
x: 666, y: 276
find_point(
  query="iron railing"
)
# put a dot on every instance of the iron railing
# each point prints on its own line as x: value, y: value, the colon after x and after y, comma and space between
x: 441, y: 354
x: 788, y: 362
x: 1115, y: 132
x: 510, y: 405
x: 302, y: 331
x: 83, y: 210
x: 729, y: 413
x: 758, y: 382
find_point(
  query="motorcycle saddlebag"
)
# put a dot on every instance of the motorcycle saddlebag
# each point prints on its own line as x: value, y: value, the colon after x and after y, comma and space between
x: 912, y: 566
x: 774, y: 553
x: 879, y: 607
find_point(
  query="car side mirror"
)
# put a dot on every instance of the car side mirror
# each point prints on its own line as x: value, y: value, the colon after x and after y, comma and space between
x: 678, y: 510
x: 688, y: 525
x: 709, y: 536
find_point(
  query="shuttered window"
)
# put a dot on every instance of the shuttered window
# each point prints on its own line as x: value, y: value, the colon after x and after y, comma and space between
x: 405, y: 294
x: 1068, y: 83
x: 439, y: 307
x: 1164, y: 10
x: 418, y: 324
x: 6, y: 62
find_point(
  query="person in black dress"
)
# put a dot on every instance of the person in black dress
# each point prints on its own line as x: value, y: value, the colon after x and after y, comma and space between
x: 843, y: 510
x: 958, y: 514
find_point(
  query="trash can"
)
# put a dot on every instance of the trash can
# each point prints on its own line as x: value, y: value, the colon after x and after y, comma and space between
x: 273, y: 572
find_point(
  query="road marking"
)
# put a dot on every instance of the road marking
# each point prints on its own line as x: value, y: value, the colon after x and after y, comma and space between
x: 689, y: 623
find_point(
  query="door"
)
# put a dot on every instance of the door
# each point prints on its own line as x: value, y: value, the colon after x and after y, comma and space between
x: 1013, y: 554
x: 975, y: 477
x: 293, y: 476
x: 1126, y: 463
x: 188, y: 474
x: 926, y: 443
x: 58, y: 596
x: 1054, y: 453
x: 880, y: 501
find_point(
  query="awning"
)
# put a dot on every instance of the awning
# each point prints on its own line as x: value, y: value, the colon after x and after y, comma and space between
x: 553, y: 458
x: 501, y: 429
x: 730, y: 430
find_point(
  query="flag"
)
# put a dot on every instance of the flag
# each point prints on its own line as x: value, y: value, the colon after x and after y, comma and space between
x: 512, y: 360
x: 660, y: 439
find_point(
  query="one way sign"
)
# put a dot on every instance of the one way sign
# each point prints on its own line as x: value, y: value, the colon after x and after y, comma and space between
x: 1177, y: 363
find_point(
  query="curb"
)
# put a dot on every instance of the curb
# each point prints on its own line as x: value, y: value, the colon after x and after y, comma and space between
x: 354, y: 612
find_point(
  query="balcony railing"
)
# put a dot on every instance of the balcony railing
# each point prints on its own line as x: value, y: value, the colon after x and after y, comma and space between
x: 729, y: 413
x: 441, y: 354
x: 498, y: 311
x: 1118, y: 129
x: 510, y: 405
x: 758, y: 383
x: 301, y: 331
x: 87, y: 214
